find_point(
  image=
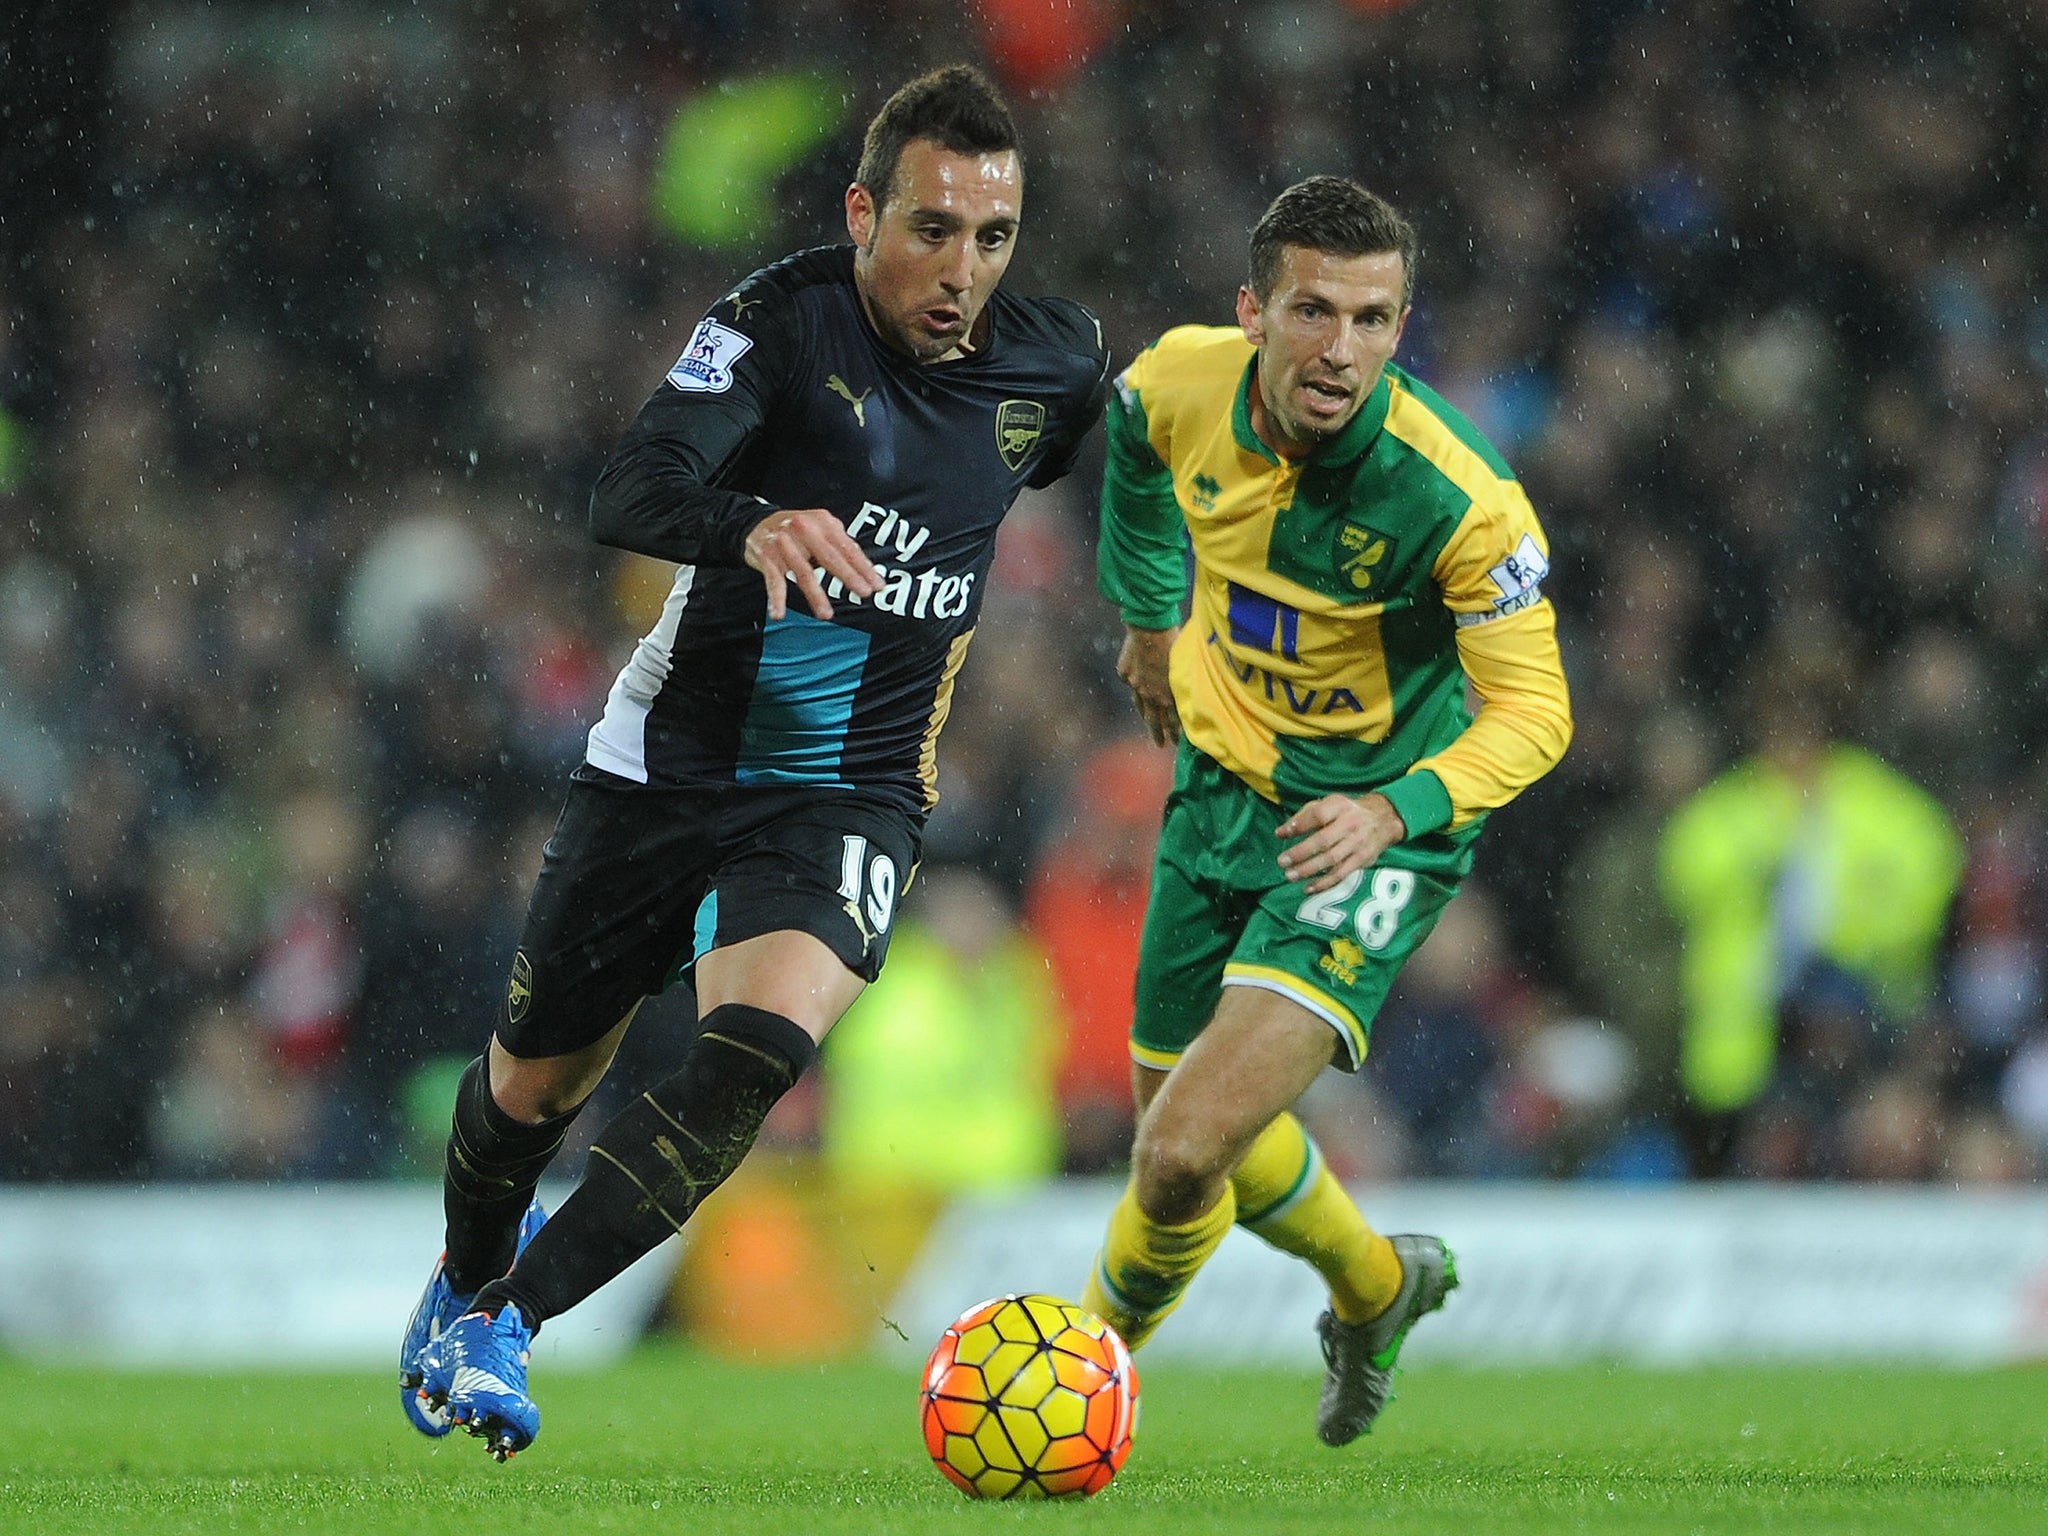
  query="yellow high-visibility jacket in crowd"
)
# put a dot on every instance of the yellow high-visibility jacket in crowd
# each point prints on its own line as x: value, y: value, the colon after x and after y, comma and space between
x: 1856, y: 868
x: 940, y: 1077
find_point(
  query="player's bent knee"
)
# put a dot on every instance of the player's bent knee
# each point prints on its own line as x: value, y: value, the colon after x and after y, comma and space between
x: 1178, y: 1176
x: 530, y: 1098
x: 533, y: 1089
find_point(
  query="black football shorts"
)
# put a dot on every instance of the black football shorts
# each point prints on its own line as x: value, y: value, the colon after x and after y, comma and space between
x: 638, y: 883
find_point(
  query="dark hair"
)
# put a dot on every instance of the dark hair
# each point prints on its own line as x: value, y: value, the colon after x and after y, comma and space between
x: 955, y: 107
x: 1328, y: 213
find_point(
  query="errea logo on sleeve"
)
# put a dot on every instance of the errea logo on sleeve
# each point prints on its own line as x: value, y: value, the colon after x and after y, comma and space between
x: 705, y: 368
x: 1518, y: 579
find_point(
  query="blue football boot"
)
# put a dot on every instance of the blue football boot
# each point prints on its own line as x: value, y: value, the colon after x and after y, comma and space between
x: 439, y: 1307
x: 476, y: 1372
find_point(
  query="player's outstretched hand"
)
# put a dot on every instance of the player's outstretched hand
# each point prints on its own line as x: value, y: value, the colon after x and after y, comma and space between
x: 1339, y: 834
x: 1143, y: 665
x: 794, y: 546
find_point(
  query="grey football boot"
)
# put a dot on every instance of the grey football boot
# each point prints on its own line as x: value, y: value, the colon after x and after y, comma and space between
x: 1361, y: 1356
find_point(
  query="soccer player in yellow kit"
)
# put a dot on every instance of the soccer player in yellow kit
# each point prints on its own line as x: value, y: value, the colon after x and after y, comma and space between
x: 1361, y: 556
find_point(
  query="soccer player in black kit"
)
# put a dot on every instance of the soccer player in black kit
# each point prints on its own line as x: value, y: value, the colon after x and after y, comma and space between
x: 827, y: 462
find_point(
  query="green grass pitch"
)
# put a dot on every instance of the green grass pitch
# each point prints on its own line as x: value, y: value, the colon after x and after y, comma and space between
x: 675, y: 1442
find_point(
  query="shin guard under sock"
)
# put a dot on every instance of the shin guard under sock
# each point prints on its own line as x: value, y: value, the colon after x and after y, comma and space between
x: 1145, y: 1265
x: 492, y: 1166
x: 653, y: 1165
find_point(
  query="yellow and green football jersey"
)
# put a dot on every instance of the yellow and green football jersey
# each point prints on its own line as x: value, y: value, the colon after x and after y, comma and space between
x: 1341, y: 602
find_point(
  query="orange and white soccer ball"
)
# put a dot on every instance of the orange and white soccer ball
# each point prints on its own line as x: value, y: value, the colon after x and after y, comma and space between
x: 1029, y: 1397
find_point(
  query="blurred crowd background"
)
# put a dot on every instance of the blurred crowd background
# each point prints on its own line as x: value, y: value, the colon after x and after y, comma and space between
x: 316, y: 323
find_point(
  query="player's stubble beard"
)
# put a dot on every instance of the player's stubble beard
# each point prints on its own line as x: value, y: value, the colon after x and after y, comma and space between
x: 902, y: 338
x: 1299, y: 430
x: 897, y: 338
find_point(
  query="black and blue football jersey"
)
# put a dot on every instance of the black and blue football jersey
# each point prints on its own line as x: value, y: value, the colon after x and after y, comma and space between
x: 787, y: 398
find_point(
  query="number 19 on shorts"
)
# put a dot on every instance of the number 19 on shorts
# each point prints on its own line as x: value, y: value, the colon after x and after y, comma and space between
x: 1377, y: 918
x: 875, y: 877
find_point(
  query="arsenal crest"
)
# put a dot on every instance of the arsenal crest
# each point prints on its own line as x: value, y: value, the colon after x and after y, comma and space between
x: 1019, y: 424
x: 519, y: 993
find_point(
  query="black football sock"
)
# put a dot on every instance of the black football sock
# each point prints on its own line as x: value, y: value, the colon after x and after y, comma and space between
x: 652, y: 1166
x: 493, y: 1164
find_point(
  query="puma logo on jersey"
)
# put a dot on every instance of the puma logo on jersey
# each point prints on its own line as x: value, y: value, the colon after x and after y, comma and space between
x: 859, y: 402
x: 739, y: 305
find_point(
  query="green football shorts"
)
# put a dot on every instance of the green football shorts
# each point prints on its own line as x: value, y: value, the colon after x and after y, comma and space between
x: 1223, y: 914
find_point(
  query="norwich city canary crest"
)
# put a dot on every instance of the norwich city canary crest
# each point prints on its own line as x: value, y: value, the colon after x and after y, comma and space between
x: 1358, y: 550
x: 1018, y: 426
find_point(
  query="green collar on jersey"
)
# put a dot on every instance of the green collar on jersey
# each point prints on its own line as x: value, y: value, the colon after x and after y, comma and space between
x: 1347, y: 445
